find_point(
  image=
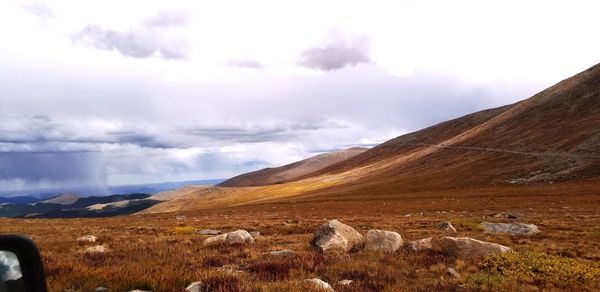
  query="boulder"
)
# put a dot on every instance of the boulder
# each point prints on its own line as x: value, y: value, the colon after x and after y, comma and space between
x: 447, y: 226
x: 215, y: 240
x: 96, y: 249
x: 467, y: 247
x: 453, y: 273
x: 255, y: 234
x: 519, y: 229
x: 209, y: 232
x: 239, y: 237
x: 337, y: 237
x: 197, y: 287
x: 319, y: 284
x: 420, y: 244
x: 383, y: 241
x: 280, y: 253
x: 87, y: 238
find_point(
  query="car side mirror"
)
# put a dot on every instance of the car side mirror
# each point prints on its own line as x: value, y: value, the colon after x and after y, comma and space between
x: 21, y: 268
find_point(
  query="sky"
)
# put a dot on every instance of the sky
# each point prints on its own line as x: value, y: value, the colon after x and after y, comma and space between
x: 96, y: 93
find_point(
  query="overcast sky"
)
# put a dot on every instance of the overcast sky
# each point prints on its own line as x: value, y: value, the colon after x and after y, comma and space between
x: 124, y: 92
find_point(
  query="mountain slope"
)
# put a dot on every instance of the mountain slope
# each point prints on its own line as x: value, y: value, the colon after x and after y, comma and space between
x: 293, y: 171
x: 552, y: 137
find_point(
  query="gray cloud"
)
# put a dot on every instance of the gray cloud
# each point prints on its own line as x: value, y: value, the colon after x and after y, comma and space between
x: 339, y: 51
x: 151, y: 38
x: 245, y: 63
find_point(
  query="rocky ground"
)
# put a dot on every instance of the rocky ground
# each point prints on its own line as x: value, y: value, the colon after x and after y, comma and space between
x: 448, y: 243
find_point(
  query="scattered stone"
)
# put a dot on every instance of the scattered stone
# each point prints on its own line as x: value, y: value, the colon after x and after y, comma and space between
x: 197, y: 287
x: 345, y: 282
x: 101, y: 289
x: 87, y: 238
x: 137, y: 290
x: 447, y: 226
x: 521, y: 229
x: 230, y: 269
x: 338, y: 237
x: 209, y: 232
x: 280, y: 253
x: 255, y: 234
x: 239, y: 237
x: 383, y: 241
x: 320, y: 284
x: 452, y: 272
x: 505, y: 216
x: 420, y: 244
x: 97, y: 249
x: 215, y: 240
x: 467, y: 247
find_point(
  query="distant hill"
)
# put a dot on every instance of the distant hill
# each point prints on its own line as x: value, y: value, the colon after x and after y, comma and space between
x: 550, y: 138
x: 293, y: 171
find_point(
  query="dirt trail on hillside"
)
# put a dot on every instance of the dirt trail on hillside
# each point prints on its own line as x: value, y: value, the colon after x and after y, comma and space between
x: 559, y: 154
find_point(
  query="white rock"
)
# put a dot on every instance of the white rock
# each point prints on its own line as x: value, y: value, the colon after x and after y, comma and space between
x: 280, y: 253
x: 338, y: 237
x: 97, y: 249
x: 420, y: 244
x: 345, y: 282
x: 383, y: 241
x: 521, y: 229
x: 215, y: 240
x: 87, y: 238
x: 320, y: 284
x: 196, y: 287
x: 467, y: 247
x: 452, y: 272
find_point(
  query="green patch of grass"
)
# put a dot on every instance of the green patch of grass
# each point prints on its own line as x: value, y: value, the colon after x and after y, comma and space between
x: 468, y: 224
x: 543, y: 269
x: 181, y: 230
x: 486, y: 281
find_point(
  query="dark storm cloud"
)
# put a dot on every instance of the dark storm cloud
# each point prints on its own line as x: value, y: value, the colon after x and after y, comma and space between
x: 336, y: 53
x: 261, y: 133
x: 50, y: 167
x: 245, y: 63
x: 142, y: 42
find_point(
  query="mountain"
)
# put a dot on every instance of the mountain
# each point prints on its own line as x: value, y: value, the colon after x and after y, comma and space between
x: 179, y: 193
x: 549, y: 139
x: 69, y: 205
x: 293, y: 171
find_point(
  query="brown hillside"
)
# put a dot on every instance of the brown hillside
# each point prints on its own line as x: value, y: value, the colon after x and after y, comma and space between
x: 293, y: 171
x: 552, y: 137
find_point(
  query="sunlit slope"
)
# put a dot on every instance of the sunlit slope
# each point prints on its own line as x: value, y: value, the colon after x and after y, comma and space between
x: 293, y: 171
x: 552, y: 137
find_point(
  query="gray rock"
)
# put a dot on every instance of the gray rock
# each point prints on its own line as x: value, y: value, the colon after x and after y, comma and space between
x: 383, y: 241
x: 215, y: 240
x: 345, y: 282
x: 467, y: 247
x: 447, y: 226
x: 209, y: 232
x: 255, y: 234
x: 197, y: 287
x: 101, y: 289
x: 319, y: 284
x: 519, y: 229
x: 420, y: 244
x: 505, y: 215
x: 239, y: 237
x: 335, y: 236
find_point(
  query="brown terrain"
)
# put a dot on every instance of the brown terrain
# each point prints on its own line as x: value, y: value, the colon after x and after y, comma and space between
x: 537, y: 160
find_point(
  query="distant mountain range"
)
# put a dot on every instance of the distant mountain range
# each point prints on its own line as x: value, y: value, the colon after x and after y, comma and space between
x: 89, y: 201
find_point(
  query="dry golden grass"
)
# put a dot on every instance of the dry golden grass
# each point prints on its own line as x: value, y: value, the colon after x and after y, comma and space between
x: 163, y: 252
